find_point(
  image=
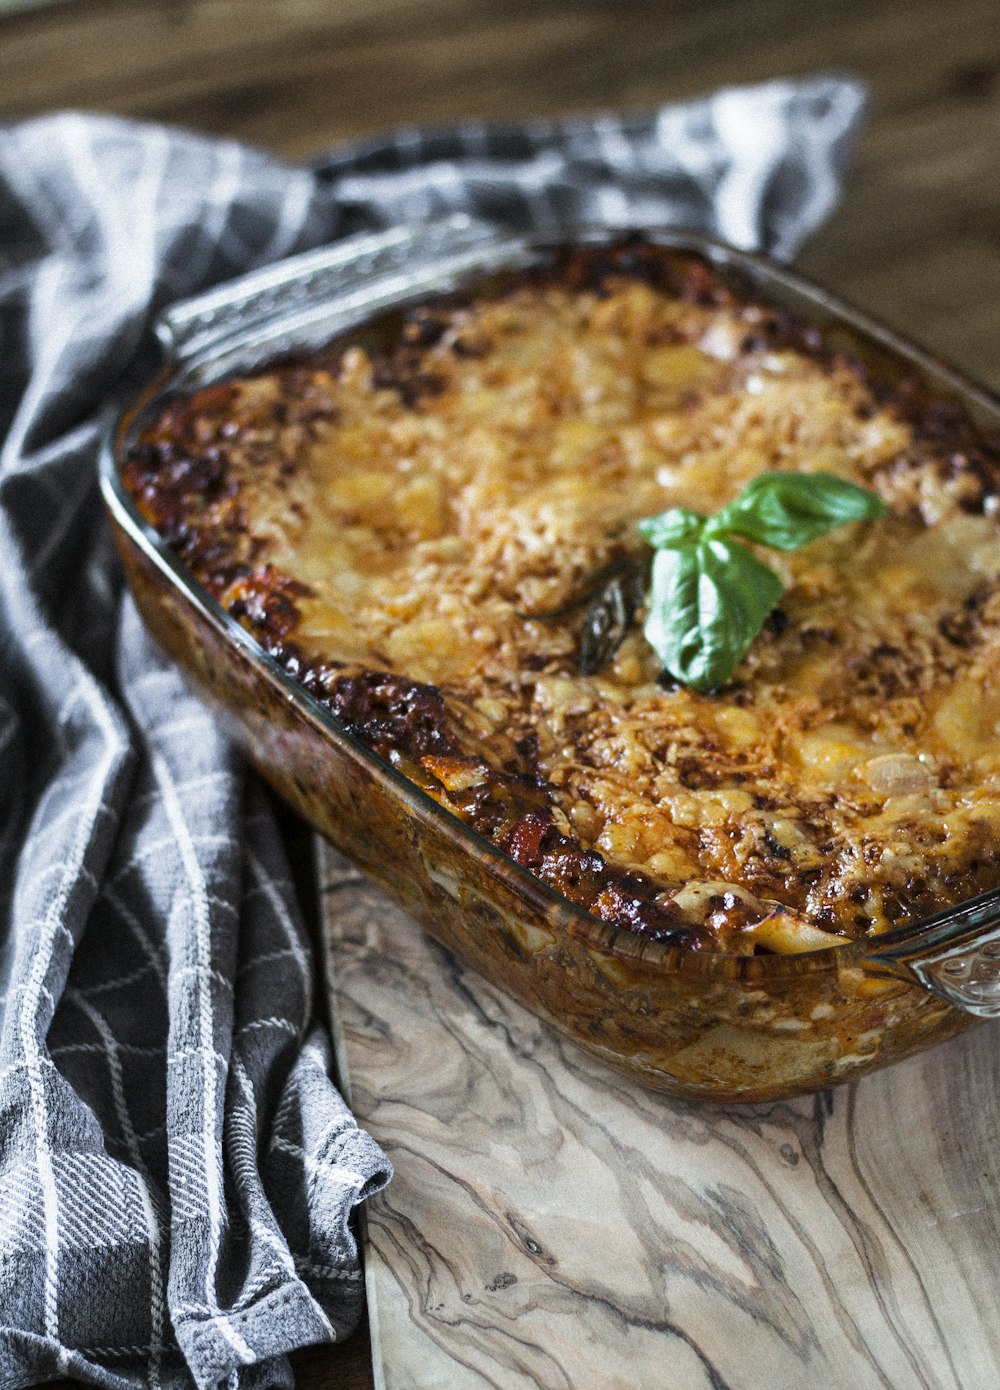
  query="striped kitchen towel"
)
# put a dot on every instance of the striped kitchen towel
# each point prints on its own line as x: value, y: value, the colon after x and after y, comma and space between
x: 177, y: 1169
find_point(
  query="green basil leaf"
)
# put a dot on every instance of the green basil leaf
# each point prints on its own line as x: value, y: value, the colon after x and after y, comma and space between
x: 710, y: 595
x: 709, y: 600
x: 787, y: 510
x: 678, y: 526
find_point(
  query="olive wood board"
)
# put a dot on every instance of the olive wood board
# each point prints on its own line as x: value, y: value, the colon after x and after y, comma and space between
x: 552, y: 1224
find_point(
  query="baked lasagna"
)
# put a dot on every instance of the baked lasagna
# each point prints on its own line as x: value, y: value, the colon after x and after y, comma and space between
x: 431, y: 524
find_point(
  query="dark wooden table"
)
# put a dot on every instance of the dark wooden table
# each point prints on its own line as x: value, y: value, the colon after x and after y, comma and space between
x: 916, y: 239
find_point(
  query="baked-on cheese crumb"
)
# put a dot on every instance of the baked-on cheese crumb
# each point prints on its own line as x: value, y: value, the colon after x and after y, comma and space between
x: 410, y: 517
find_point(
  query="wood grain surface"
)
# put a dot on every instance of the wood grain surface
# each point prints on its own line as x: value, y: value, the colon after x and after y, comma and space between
x: 916, y: 239
x: 552, y: 1224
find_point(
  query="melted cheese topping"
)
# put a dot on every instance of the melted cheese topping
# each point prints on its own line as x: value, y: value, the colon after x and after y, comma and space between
x: 443, y: 502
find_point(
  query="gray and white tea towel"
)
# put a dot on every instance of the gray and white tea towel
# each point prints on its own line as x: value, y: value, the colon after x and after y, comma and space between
x: 177, y: 1170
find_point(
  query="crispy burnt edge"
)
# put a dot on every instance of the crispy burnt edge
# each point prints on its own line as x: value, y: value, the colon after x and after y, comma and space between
x: 179, y: 464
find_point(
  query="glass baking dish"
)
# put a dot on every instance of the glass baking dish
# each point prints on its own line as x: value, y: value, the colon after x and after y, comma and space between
x: 727, y: 1028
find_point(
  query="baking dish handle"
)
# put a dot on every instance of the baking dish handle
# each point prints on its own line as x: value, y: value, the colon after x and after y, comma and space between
x: 244, y: 306
x: 955, y: 954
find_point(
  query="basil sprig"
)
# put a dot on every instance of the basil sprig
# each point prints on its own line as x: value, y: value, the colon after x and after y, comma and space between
x: 710, y: 595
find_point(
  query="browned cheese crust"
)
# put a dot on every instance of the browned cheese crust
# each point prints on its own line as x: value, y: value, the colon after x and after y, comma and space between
x: 412, y: 521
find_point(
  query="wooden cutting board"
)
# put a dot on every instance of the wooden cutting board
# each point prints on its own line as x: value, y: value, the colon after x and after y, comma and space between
x: 553, y: 1225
